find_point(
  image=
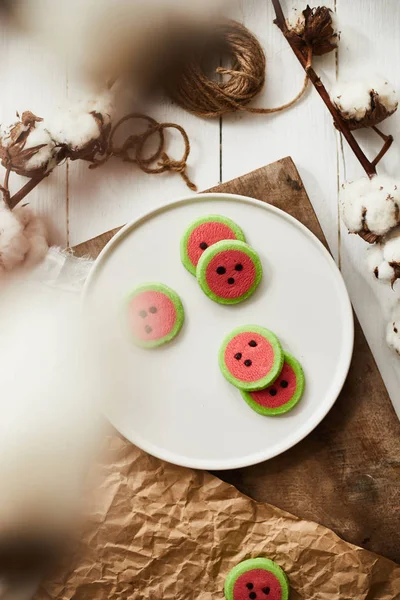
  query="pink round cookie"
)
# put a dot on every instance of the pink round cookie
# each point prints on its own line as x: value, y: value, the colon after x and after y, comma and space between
x: 251, y: 357
x: 229, y: 272
x: 256, y: 579
x: 203, y: 233
x: 155, y: 314
x: 283, y: 394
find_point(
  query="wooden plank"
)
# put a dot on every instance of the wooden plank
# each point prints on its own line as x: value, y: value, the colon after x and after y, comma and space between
x: 370, y: 40
x: 345, y: 475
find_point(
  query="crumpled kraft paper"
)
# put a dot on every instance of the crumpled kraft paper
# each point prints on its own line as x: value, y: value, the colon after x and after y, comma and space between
x: 159, y: 531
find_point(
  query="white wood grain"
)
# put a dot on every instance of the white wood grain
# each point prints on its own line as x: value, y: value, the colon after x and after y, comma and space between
x: 370, y: 44
x: 81, y: 203
x: 33, y: 79
x: 304, y: 131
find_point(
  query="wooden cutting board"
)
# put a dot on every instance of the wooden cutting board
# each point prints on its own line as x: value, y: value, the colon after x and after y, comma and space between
x: 345, y: 474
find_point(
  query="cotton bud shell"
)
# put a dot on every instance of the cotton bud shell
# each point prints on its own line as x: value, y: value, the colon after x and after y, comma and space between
x: 27, y: 148
x: 313, y: 28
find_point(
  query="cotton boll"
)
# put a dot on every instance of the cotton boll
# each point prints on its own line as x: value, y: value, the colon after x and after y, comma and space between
x: 393, y: 330
x: 23, y: 239
x: 370, y: 205
x: 103, y: 103
x: 365, y: 103
x: 35, y: 232
x: 383, y: 259
x: 353, y: 100
x: 26, y: 147
x: 296, y: 21
x: 388, y: 96
x: 377, y: 264
x: 74, y: 128
x: 45, y: 157
x: 83, y: 128
x: 13, y: 243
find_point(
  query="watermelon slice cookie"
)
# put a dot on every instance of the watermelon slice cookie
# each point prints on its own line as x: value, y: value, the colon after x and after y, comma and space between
x: 229, y: 271
x: 203, y: 233
x: 155, y: 314
x: 257, y: 579
x: 283, y: 394
x: 251, y: 357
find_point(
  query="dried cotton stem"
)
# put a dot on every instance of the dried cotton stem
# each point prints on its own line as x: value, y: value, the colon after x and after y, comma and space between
x: 368, y: 166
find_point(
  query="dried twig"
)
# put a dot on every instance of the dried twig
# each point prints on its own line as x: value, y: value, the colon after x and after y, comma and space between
x: 132, y: 150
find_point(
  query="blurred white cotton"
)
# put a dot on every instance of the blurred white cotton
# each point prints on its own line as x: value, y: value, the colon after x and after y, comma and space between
x: 52, y: 383
x: 106, y: 38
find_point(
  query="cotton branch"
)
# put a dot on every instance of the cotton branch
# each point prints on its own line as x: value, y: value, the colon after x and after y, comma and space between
x: 341, y: 125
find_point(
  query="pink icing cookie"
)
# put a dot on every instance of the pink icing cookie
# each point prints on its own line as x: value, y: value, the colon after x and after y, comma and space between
x: 256, y: 579
x: 282, y: 395
x: 155, y: 314
x: 251, y: 357
x: 229, y: 272
x: 203, y: 233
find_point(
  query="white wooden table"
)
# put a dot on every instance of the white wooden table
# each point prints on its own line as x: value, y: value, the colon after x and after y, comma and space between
x: 80, y: 204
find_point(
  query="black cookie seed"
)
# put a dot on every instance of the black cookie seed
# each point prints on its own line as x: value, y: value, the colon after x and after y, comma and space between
x: 231, y: 280
x: 248, y: 362
x: 238, y: 356
x: 148, y: 329
x: 238, y: 267
x: 272, y: 392
x: 253, y: 343
x: 153, y: 309
x: 143, y: 314
x: 266, y: 591
x: 203, y: 245
x: 221, y: 270
x: 249, y: 586
x: 284, y: 383
x: 252, y: 595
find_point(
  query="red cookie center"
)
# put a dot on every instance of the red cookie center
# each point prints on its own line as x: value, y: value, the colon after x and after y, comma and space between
x: 249, y: 356
x: 152, y: 315
x: 280, y: 392
x: 257, y: 584
x: 230, y: 274
x: 206, y: 235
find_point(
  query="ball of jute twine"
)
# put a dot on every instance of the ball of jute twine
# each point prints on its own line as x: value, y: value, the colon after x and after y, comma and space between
x: 193, y: 90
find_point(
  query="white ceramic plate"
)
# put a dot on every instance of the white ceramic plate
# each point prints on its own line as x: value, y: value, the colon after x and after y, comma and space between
x: 173, y: 402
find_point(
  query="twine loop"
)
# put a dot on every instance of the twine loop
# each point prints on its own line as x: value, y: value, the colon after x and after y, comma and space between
x: 133, y: 148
